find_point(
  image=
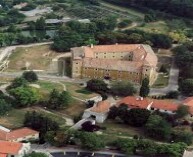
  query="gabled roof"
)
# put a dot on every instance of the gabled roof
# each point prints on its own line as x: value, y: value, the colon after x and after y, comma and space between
x: 15, y: 134
x: 188, y: 153
x: 135, y: 102
x: 188, y: 101
x: 164, y: 105
x: 12, y: 148
x: 101, y: 107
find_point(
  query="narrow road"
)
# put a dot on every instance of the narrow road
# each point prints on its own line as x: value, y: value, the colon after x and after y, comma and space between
x: 172, y: 83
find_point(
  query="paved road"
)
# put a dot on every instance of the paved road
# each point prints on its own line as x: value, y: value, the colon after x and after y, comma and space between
x: 8, y: 50
x: 172, y: 83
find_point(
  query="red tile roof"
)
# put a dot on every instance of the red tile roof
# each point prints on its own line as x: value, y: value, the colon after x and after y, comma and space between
x: 135, y: 102
x: 3, y: 155
x: 101, y: 107
x: 188, y: 101
x: 12, y: 148
x: 164, y: 105
x: 15, y: 134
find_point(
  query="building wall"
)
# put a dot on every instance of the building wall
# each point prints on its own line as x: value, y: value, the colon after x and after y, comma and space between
x: 100, y: 117
x: 163, y: 111
x: 113, y: 74
x: 114, y: 55
x: 76, y: 68
x: 30, y: 137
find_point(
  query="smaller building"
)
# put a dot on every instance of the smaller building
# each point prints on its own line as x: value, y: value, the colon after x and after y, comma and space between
x: 136, y: 102
x: 164, y: 106
x: 13, y: 149
x: 99, y: 111
x: 18, y: 135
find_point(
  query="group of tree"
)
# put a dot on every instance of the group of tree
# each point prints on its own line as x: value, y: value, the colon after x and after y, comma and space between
x: 134, y: 117
x: 35, y: 154
x: 23, y: 94
x: 150, y: 148
x: 41, y: 123
x: 184, y: 59
x: 59, y: 100
x: 5, y: 103
x: 158, y: 128
x: 171, y: 6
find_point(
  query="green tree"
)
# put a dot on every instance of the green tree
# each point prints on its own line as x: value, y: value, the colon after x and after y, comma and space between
x: 1, y: 39
x: 65, y: 39
x: 35, y: 154
x: 96, y: 85
x: 182, y: 136
x: 18, y: 82
x: 123, y: 88
x: 158, y: 128
x: 53, y: 99
x: 186, y: 87
x: 136, y: 117
x: 24, y: 96
x: 144, y: 90
x: 64, y: 99
x: 182, y: 111
x: 91, y: 141
x: 40, y: 24
x: 9, y: 38
x: 4, y: 107
x: 30, y: 76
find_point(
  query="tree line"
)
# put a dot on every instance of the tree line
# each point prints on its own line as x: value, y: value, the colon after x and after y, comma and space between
x: 169, y: 6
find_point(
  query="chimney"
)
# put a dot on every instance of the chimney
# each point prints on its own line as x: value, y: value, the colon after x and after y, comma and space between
x: 92, y: 46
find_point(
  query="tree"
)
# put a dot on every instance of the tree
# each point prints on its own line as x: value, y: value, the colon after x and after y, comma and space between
x: 40, y: 122
x: 172, y: 94
x: 144, y: 90
x: 136, y: 117
x: 18, y: 82
x: 157, y: 128
x: 96, y: 85
x: 53, y: 99
x: 58, y: 100
x: 40, y: 24
x: 24, y: 96
x: 91, y: 141
x: 65, y: 39
x: 123, y: 88
x: 182, y: 136
x: 30, y: 76
x: 182, y: 111
x: 4, y: 107
x: 113, y: 112
x: 186, y: 87
x: 35, y: 154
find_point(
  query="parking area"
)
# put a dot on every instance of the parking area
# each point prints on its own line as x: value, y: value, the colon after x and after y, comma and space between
x: 83, y: 154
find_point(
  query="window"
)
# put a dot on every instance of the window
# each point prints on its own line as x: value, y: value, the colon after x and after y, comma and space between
x: 96, y: 56
x: 104, y: 56
x: 96, y: 69
x: 76, y: 63
x: 113, y: 56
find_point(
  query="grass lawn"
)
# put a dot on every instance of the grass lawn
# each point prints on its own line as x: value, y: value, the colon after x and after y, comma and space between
x: 46, y: 87
x: 80, y: 92
x: 15, y: 118
x: 155, y: 27
x: 162, y: 81
x: 74, y: 109
x: 39, y: 58
x: 114, y: 128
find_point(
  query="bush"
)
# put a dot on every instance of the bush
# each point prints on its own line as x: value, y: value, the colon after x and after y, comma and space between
x: 30, y: 76
x: 172, y: 94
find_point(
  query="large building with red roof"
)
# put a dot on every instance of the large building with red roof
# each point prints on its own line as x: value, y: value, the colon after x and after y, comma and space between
x: 119, y: 62
x: 18, y: 135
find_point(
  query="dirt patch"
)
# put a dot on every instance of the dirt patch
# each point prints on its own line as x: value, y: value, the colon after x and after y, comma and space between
x: 33, y: 56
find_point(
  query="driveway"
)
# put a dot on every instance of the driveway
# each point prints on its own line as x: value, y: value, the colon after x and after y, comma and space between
x: 172, y: 83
